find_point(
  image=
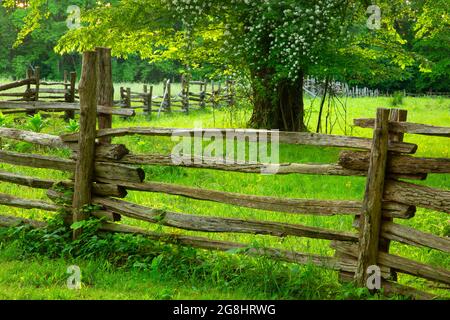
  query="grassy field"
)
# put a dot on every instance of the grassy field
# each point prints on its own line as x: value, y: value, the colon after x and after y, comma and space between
x: 190, y: 274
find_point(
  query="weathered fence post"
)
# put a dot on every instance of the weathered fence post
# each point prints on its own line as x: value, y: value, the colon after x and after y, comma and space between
x: 149, y: 102
x: 84, y: 171
x: 185, y: 93
x: 28, y: 94
x: 70, y: 93
x: 203, y: 88
x: 169, y: 96
x: 370, y: 221
x: 37, y: 78
x: 105, y: 89
x: 397, y: 115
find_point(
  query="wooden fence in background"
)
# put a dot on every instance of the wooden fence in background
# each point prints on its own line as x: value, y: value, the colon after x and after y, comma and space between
x: 187, y: 99
x: 103, y: 172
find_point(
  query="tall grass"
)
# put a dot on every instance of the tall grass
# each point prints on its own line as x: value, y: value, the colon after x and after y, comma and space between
x: 421, y: 110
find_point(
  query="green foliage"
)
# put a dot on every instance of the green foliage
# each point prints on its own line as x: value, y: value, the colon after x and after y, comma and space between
x: 73, y: 126
x: 36, y: 123
x: 3, y: 120
x: 397, y: 99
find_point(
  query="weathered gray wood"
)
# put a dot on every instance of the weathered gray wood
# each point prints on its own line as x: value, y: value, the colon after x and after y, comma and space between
x: 10, y: 221
x: 406, y: 127
x: 102, y: 169
x: 370, y: 221
x: 62, y: 106
x: 397, y: 164
x: 105, y: 90
x: 391, y: 288
x: 300, y: 206
x: 85, y: 165
x: 301, y: 138
x: 104, y: 152
x: 411, y: 236
x: 217, y: 164
x: 401, y: 264
x: 420, y: 196
x: 31, y: 182
x: 36, y: 161
x: 16, y: 84
x: 11, y: 201
x: 32, y: 137
x: 215, y: 224
x: 209, y: 244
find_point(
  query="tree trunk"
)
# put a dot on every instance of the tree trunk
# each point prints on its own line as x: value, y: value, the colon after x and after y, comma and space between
x: 278, y: 105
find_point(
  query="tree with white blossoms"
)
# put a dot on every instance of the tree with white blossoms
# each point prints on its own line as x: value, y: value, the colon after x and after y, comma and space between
x: 275, y: 43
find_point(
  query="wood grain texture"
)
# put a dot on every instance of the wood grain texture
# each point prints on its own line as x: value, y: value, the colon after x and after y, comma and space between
x: 407, y: 127
x: 11, y: 201
x: 397, y: 164
x: 401, y: 264
x: 112, y: 171
x: 299, y: 206
x: 300, y: 138
x: 411, y: 236
x: 416, y: 195
x: 370, y: 221
x: 215, y: 224
x: 85, y: 165
x: 105, y: 90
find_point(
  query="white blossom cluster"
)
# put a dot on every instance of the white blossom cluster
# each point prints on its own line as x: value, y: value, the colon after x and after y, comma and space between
x: 285, y: 35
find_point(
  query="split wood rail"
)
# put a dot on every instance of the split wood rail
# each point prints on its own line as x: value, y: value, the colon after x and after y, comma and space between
x: 103, y: 172
x: 186, y: 100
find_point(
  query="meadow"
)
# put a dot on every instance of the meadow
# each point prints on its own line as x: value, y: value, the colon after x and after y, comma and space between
x: 175, y: 273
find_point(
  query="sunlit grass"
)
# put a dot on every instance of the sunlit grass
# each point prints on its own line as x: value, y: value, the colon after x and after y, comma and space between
x: 421, y: 110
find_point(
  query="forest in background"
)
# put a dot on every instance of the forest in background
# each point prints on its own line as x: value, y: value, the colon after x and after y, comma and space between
x: 37, y: 49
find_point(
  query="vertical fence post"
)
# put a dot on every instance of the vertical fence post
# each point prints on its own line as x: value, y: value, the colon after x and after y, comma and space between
x: 150, y: 102
x: 203, y: 88
x: 84, y: 171
x: 370, y: 221
x: 169, y: 97
x: 37, y: 78
x: 70, y: 93
x: 28, y: 93
x: 105, y: 89
x: 396, y: 115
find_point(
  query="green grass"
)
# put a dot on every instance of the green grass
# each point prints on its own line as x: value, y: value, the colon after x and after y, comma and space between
x: 258, y: 283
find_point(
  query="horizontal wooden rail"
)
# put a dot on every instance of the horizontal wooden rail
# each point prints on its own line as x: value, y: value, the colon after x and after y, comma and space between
x: 301, y: 138
x: 299, y: 206
x: 32, y: 137
x: 406, y: 127
x: 216, y: 224
x: 17, y: 84
x: 400, y: 264
x: 214, y: 164
x: 407, y: 235
x: 416, y: 195
x: 61, y: 106
x: 10, y: 221
x: 103, y: 151
x: 11, y: 201
x: 105, y: 170
x: 397, y: 164
x: 208, y: 244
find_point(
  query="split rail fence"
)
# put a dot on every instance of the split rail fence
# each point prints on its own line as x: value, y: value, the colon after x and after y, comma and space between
x: 103, y: 172
x: 186, y: 100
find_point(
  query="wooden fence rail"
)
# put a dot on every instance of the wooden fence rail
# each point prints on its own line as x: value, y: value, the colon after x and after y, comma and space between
x: 384, y: 160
